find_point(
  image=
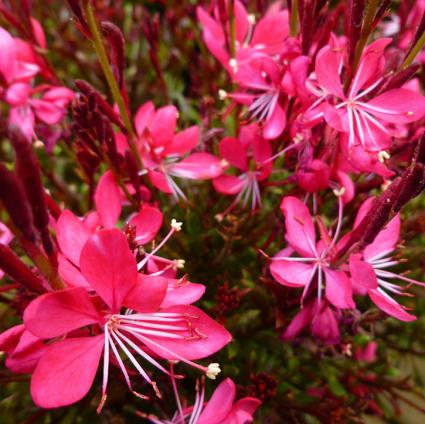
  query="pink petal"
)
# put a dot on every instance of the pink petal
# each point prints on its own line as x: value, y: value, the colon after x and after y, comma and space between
x: 147, y: 294
x: 299, y: 226
x: 385, y: 241
x: 57, y: 313
x: 228, y: 184
x: 18, y: 93
x: 338, y: 290
x: 38, y: 32
x: 405, y: 106
x: 143, y: 117
x: 197, y: 166
x: 71, y: 235
x: 148, y: 222
x: 26, y: 355
x: 7, y: 55
x: 292, y: 274
x: 234, y: 152
x: 325, y: 326
x: 47, y: 112
x: 66, y: 371
x: 299, y: 322
x: 275, y: 123
x: 271, y: 31
x: 163, y: 125
x: 243, y: 410
x: 370, y: 65
x: 159, y: 181
x: 10, y: 338
x: 362, y: 273
x: 241, y: 21
x: 182, y: 292
x: 108, y: 200
x: 220, y: 403
x: 109, y: 267
x: 70, y: 273
x: 23, y: 117
x: 315, y: 177
x: 197, y: 348
x: 390, y: 306
x: 184, y: 141
x: 328, y: 62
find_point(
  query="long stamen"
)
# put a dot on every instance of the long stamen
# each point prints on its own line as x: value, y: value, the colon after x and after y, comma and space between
x: 175, y: 226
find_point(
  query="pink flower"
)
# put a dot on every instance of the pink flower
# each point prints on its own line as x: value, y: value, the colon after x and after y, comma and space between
x: 369, y: 272
x: 66, y: 370
x: 18, y: 67
x: 363, y: 121
x: 267, y: 37
x: 220, y: 409
x: 322, y: 319
x: 315, y: 257
x: 249, y: 154
x: 163, y: 150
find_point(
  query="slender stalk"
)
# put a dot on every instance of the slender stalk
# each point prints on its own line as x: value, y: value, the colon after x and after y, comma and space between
x: 232, y: 28
x: 293, y: 24
x: 112, y: 83
x: 416, y: 49
x: 366, y: 30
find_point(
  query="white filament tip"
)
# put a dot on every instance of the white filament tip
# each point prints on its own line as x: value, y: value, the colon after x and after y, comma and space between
x: 339, y: 192
x: 177, y: 226
x: 222, y: 94
x: 251, y: 18
x: 383, y: 156
x: 180, y: 263
x: 233, y: 63
x: 213, y: 370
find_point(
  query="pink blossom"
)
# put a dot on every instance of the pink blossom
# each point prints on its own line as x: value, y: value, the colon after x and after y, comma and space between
x: 163, y: 150
x: 362, y: 120
x: 250, y: 154
x: 314, y: 260
x: 220, y: 409
x: 66, y: 370
x: 369, y: 272
x: 5, y: 238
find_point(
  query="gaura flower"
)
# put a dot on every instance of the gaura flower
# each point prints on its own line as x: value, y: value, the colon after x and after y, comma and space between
x: 364, y: 121
x: 314, y: 259
x: 163, y: 150
x: 369, y: 273
x: 82, y: 325
x: 220, y: 409
x: 249, y: 154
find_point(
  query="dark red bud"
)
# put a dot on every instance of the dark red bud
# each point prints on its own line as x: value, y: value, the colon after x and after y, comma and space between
x: 355, y: 19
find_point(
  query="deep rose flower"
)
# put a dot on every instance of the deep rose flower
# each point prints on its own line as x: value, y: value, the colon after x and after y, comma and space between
x: 363, y: 121
x: 89, y: 324
x: 220, y: 409
x: 369, y: 272
x: 314, y: 260
x: 249, y: 154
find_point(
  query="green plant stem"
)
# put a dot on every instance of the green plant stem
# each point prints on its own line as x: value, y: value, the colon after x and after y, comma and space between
x: 232, y: 28
x: 413, y: 53
x: 293, y: 24
x: 113, y: 85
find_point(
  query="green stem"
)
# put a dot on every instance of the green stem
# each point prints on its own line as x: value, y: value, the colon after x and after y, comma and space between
x: 113, y: 85
x: 416, y: 49
x: 293, y: 24
x: 232, y: 28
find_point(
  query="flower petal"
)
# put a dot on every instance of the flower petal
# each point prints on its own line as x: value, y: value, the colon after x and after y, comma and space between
x: 362, y: 273
x: 182, y: 292
x: 109, y: 267
x: 299, y: 226
x: 108, y: 200
x: 57, y: 313
x: 148, y: 222
x: 234, y: 152
x: 292, y: 274
x: 71, y: 234
x: 184, y: 141
x: 228, y: 184
x: 390, y: 306
x: 328, y: 62
x: 197, y: 166
x: 338, y: 290
x: 66, y: 371
x: 147, y: 294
